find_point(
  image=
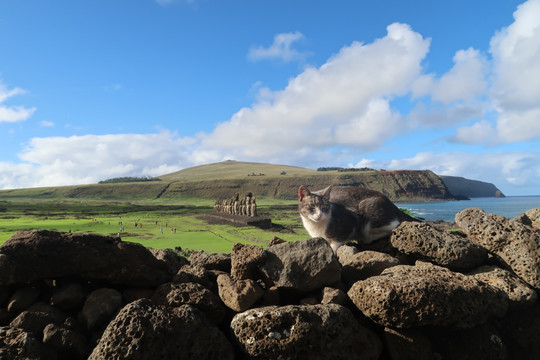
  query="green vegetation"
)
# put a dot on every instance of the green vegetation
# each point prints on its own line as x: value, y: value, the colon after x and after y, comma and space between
x: 128, y: 179
x: 223, y: 180
x: 154, y: 224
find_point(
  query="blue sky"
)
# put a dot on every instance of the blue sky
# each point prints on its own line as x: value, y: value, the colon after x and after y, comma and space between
x: 96, y: 89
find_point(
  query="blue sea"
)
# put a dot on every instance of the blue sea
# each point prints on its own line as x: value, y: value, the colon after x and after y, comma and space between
x: 509, y: 207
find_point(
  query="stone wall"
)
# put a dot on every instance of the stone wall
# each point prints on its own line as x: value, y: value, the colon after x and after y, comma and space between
x: 424, y: 293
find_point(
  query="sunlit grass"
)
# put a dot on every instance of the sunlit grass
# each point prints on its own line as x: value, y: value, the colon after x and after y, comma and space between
x: 153, y: 224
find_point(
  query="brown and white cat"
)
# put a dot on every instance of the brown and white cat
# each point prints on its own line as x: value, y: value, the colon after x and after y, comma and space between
x: 351, y: 213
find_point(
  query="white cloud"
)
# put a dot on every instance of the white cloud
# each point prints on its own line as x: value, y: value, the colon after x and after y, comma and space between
x: 45, y: 123
x: 6, y: 93
x: 280, y: 49
x: 13, y: 113
x: 87, y: 159
x: 480, y: 132
x: 516, y: 87
x: 504, y: 169
x: 465, y: 81
x: 345, y: 102
x: 445, y: 116
x: 516, y: 50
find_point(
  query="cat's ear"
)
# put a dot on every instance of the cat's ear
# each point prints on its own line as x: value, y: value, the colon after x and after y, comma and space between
x: 326, y: 192
x: 303, y: 192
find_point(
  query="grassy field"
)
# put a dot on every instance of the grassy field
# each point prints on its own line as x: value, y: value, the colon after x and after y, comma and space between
x: 153, y: 224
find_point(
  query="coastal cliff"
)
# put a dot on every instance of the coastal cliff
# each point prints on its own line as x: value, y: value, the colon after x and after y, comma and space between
x: 461, y: 187
x: 399, y: 185
x: 422, y: 293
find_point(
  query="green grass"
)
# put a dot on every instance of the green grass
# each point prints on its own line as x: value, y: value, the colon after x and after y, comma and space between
x: 231, y: 169
x: 156, y: 221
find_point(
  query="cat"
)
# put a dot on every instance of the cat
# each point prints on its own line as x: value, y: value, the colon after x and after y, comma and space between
x: 345, y: 214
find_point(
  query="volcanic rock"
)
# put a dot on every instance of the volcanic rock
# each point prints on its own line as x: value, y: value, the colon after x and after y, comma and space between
x: 304, y: 332
x: 518, y: 291
x: 175, y: 295
x: 301, y: 265
x: 44, y: 254
x: 145, y: 331
x: 517, y: 245
x: 365, y: 264
x: 424, y: 242
x: 101, y: 306
x: 406, y: 296
x: 245, y: 261
x: 238, y: 295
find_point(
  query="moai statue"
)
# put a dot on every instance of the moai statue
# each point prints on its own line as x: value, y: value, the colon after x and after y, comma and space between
x: 253, y: 207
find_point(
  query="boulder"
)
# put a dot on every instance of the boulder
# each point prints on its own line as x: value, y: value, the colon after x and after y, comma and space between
x: 407, y: 296
x: 345, y: 252
x: 238, y: 295
x: 5, y: 295
x: 194, y: 273
x: 425, y: 242
x: 530, y: 218
x: 68, y: 297
x: 245, y: 261
x: 135, y: 293
x: 36, y: 317
x: 23, y: 298
x: 365, y: 264
x: 517, y: 245
x: 100, y: 307
x: 175, y: 295
x: 44, y: 254
x: 16, y: 343
x: 518, y: 291
x: 334, y: 296
x: 172, y: 260
x: 301, y: 265
x: 407, y: 344
x: 145, y: 331
x: 215, y: 261
x: 303, y: 332
x: 69, y: 343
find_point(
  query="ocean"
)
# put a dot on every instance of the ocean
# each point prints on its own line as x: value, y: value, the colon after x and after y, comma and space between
x: 509, y: 207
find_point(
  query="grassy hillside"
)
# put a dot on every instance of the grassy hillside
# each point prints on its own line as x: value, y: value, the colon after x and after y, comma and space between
x: 268, y: 181
x: 231, y: 169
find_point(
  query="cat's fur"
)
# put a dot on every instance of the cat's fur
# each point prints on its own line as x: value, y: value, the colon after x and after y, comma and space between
x: 344, y: 214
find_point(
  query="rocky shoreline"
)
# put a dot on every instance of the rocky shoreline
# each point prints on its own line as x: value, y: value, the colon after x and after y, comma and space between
x: 424, y: 293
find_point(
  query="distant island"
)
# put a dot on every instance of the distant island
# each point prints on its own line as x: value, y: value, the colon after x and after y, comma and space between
x: 466, y: 188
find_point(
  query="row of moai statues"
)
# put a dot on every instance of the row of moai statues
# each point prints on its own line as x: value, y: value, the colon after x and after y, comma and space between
x: 237, y: 206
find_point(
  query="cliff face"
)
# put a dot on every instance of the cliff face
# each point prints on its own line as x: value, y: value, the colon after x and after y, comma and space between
x: 461, y: 187
x: 400, y: 185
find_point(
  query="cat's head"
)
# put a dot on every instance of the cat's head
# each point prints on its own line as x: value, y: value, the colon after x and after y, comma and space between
x: 314, y: 206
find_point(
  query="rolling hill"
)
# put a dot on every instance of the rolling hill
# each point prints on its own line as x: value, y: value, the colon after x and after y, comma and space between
x: 224, y: 179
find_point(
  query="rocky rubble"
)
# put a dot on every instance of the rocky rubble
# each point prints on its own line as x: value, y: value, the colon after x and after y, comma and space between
x: 424, y: 293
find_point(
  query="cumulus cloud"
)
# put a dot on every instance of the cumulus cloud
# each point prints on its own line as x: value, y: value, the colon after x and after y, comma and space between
x: 501, y: 168
x: 465, y: 81
x: 12, y: 113
x: 280, y: 49
x: 56, y: 161
x: 515, y: 90
x: 344, y: 102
